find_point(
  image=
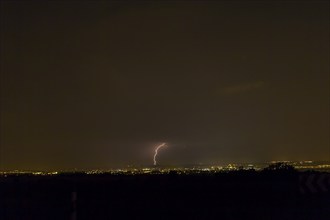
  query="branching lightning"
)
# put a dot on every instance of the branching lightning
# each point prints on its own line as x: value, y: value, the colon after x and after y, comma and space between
x: 156, y: 152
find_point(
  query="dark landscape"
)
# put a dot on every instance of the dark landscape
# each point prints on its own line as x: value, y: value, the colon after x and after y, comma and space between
x: 231, y: 195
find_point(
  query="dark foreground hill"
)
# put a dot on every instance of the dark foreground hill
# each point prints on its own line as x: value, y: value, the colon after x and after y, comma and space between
x: 234, y: 195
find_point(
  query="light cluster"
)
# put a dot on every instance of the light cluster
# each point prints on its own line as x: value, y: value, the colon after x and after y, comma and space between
x: 157, y: 170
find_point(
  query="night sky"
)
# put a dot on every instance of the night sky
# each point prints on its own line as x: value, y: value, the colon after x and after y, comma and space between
x: 99, y: 84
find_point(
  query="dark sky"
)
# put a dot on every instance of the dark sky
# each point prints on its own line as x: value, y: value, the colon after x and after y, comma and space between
x: 97, y: 85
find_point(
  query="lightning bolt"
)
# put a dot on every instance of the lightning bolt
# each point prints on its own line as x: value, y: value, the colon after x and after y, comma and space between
x: 156, y: 152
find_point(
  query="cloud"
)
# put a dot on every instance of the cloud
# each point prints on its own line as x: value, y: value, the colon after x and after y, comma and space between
x: 241, y: 88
